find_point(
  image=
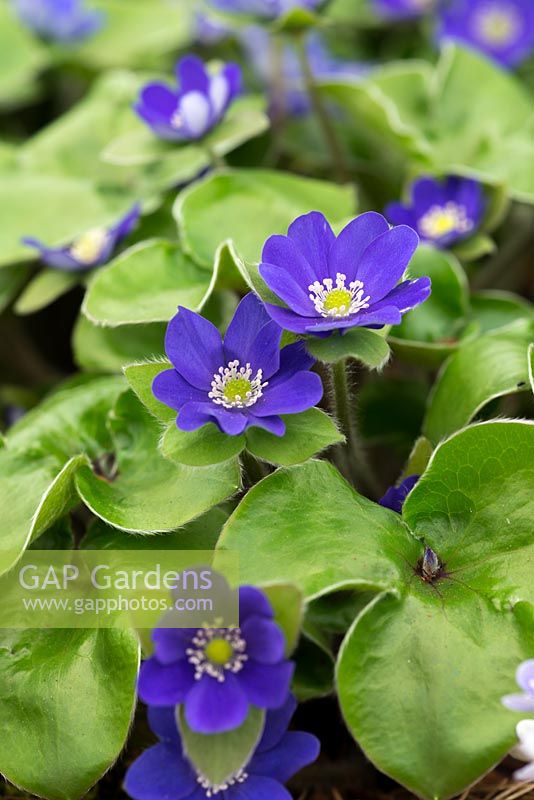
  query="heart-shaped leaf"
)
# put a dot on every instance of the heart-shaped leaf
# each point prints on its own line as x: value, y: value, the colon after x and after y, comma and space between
x: 306, y: 435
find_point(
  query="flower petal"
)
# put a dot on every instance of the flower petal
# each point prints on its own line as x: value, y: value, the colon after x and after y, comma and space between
x: 284, y: 285
x: 406, y: 295
x: 314, y: 238
x: 192, y: 75
x: 299, y: 392
x: 265, y: 640
x: 276, y: 724
x: 266, y: 685
x: 194, y: 346
x: 195, y: 111
x: 160, y: 773
x: 260, y: 788
x: 253, y: 337
x: 353, y: 241
x: 170, y: 388
x: 161, y: 685
x: 57, y: 257
x: 125, y: 225
x: 289, y: 320
x: 426, y: 192
x: 384, y: 261
x: 283, y: 252
x: 160, y: 99
x: 214, y: 707
x: 194, y: 415
x: 162, y: 721
x: 274, y: 424
x: 170, y: 644
x: 525, y: 676
x: 519, y: 702
x: 295, y: 751
x: 398, y: 214
x: 252, y: 602
x: 388, y: 315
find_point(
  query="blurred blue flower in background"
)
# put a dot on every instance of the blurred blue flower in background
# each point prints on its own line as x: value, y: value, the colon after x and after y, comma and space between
x: 65, y: 21
x: 198, y: 105
x: 442, y: 212
x: 502, y: 29
x: 92, y: 249
x: 403, y: 9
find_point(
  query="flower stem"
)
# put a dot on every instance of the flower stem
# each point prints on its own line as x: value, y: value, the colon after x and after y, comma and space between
x: 321, y: 111
x: 353, y: 462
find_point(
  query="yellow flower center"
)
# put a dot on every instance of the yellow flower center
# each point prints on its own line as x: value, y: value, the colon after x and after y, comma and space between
x: 442, y: 220
x: 237, y: 389
x: 219, y: 651
x: 498, y: 25
x: 89, y: 246
x: 338, y: 301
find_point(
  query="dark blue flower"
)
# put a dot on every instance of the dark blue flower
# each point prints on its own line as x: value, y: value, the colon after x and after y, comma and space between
x: 442, y: 212
x: 295, y: 100
x: 403, y: 9
x: 195, y: 107
x: 396, y: 495
x: 502, y: 29
x: 245, y: 381
x: 91, y: 249
x: 164, y: 773
x: 269, y: 9
x: 62, y: 21
x: 217, y: 673
x: 334, y: 283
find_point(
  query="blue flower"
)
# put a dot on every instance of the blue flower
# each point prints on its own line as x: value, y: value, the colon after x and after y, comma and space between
x: 245, y: 381
x: 217, y: 673
x: 502, y: 29
x: 331, y: 283
x: 270, y: 9
x: 442, y: 212
x: 91, y: 249
x: 197, y: 106
x: 164, y: 773
x: 403, y: 9
x: 525, y: 680
x: 396, y: 495
x: 295, y: 100
x: 62, y: 21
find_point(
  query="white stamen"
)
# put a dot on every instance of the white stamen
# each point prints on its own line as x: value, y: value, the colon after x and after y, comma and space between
x: 338, y: 301
x: 442, y: 220
x: 221, y: 386
x: 177, y: 120
x: 89, y: 246
x: 213, y: 789
x: 196, y: 655
x: 497, y: 23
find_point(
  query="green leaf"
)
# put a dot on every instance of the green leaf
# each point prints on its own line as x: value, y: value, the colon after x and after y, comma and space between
x: 419, y: 457
x: 288, y: 608
x: 474, y: 248
x: 247, y: 206
x: 360, y: 343
x: 21, y: 59
x: 208, y: 445
x: 219, y: 756
x: 141, y: 377
x: 434, y: 657
x: 306, y: 435
x: 53, y: 208
x: 430, y: 332
x: 67, y: 700
x: 492, y: 366
x: 150, y: 493
x: 46, y: 287
x: 146, y: 284
x: 151, y: 31
x: 493, y: 309
x: 319, y: 519
x: 531, y: 365
x: 98, y: 349
x: 11, y: 280
x: 296, y: 21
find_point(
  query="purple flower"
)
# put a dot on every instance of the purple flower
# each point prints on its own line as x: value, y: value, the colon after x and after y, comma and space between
x: 525, y: 749
x: 442, y: 212
x: 502, y: 29
x: 396, y: 495
x: 264, y: 8
x: 210, y: 31
x: 91, y: 249
x: 163, y: 772
x: 525, y: 680
x: 245, y: 381
x: 59, y: 20
x: 217, y: 673
x: 403, y: 9
x: 197, y: 106
x: 334, y: 283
